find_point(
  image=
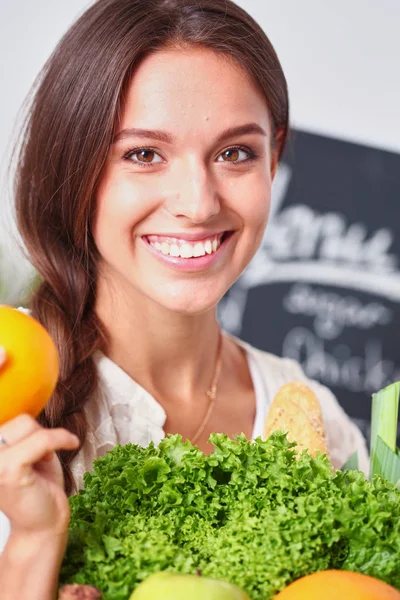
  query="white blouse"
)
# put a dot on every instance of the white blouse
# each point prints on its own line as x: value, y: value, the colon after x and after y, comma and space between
x: 125, y: 412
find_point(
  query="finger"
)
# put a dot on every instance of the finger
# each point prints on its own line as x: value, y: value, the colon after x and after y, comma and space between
x: 34, y: 448
x: 48, y: 457
x: 3, y: 356
x: 42, y: 442
x: 19, y: 428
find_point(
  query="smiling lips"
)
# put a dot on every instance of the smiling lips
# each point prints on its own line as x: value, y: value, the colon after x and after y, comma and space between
x: 181, y: 248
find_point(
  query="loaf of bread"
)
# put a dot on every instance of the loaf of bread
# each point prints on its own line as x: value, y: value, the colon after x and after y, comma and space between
x: 296, y: 411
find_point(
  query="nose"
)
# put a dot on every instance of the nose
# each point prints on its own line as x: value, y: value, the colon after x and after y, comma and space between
x: 193, y: 193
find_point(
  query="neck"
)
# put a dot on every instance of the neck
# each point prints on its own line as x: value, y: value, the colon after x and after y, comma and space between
x: 172, y: 356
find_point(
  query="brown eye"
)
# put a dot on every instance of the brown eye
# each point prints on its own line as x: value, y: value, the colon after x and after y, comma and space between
x: 146, y: 156
x: 143, y: 156
x: 235, y: 155
x: 231, y: 155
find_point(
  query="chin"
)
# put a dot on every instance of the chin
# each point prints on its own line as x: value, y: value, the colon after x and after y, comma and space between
x: 190, y: 307
x: 192, y: 301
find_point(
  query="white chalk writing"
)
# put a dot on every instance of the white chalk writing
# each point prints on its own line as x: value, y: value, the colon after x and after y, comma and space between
x: 338, y: 367
x: 333, y: 312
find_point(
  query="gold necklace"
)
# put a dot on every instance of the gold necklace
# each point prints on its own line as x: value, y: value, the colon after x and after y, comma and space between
x: 211, y: 393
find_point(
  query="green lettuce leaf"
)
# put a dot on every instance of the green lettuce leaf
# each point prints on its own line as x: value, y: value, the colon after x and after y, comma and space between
x: 250, y: 513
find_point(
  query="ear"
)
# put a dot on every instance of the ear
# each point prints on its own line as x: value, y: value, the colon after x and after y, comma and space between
x: 277, y: 149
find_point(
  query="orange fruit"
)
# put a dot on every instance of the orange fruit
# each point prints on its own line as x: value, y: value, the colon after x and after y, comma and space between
x: 345, y: 585
x: 30, y: 373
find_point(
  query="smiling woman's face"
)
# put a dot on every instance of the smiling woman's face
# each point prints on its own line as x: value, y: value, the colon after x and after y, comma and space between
x: 185, y: 194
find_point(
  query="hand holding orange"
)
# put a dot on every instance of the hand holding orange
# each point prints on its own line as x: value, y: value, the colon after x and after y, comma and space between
x: 30, y: 370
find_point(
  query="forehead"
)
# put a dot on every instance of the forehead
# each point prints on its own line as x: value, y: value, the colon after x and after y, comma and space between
x: 188, y: 87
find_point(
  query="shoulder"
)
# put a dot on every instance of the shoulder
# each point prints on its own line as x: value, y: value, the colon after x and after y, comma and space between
x: 343, y: 436
x: 276, y: 371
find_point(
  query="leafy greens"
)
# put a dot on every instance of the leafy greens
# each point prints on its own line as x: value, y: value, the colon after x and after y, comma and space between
x: 250, y: 513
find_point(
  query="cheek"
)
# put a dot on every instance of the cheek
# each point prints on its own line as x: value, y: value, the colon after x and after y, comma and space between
x: 251, y: 199
x: 121, y: 205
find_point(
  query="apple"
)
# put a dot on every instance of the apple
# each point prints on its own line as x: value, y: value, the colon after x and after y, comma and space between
x: 172, y: 586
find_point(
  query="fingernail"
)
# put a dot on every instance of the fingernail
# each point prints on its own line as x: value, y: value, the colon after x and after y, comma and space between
x: 75, y: 438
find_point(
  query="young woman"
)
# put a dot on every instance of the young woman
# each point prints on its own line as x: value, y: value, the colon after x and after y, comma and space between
x: 142, y: 193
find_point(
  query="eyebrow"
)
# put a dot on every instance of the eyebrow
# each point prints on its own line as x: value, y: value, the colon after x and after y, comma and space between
x: 163, y: 136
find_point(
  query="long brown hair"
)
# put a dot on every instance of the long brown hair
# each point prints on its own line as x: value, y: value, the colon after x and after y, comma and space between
x: 65, y: 143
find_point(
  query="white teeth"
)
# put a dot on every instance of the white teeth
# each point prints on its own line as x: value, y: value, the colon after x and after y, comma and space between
x: 185, y: 249
x: 174, y: 250
x: 199, y: 249
x: 208, y: 247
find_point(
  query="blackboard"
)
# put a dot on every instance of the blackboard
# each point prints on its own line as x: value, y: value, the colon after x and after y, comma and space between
x: 324, y: 287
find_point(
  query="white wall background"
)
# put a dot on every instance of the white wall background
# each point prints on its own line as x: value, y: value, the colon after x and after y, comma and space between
x: 341, y: 58
x: 342, y: 62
